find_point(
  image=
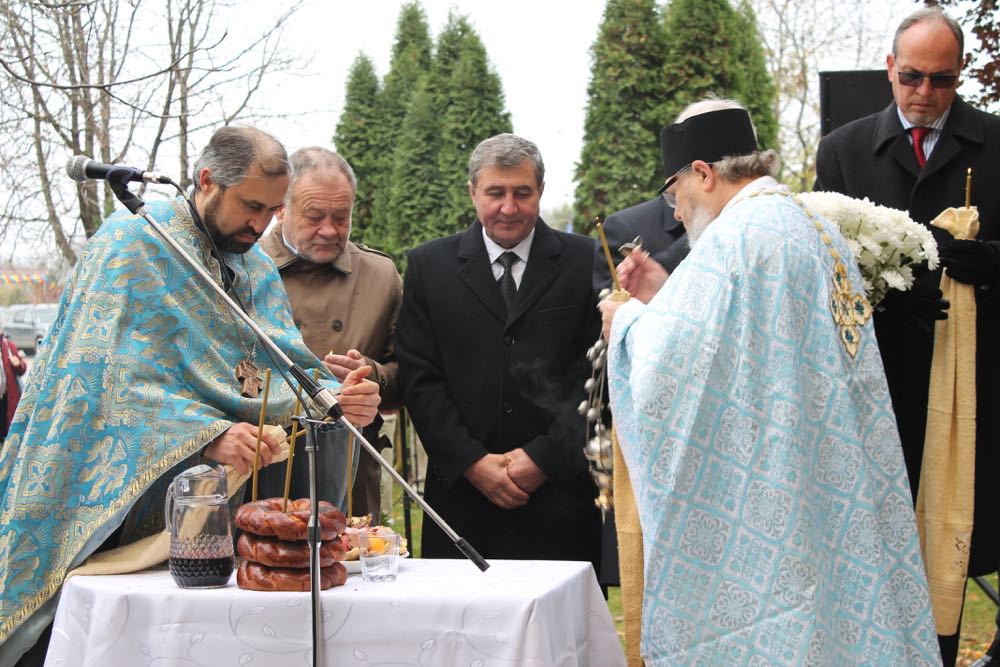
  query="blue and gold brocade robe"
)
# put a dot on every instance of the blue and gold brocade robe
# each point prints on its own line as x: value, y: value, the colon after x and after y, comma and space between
x: 776, y: 517
x: 135, y: 377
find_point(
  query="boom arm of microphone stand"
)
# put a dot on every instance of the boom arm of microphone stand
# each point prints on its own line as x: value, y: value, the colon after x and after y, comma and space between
x: 325, y: 399
x: 128, y: 198
x: 459, y: 541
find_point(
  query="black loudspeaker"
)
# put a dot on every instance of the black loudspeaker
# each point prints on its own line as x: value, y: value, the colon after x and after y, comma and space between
x: 847, y: 96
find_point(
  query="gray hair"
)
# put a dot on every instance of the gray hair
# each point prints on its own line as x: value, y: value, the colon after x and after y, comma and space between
x: 231, y: 152
x: 707, y: 105
x: 931, y: 14
x: 505, y: 151
x: 313, y: 159
x: 740, y: 167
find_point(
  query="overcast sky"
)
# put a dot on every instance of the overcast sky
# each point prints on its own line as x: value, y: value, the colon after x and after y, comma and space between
x: 540, y: 49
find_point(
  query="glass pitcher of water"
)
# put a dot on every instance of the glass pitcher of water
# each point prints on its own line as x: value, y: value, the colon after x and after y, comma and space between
x: 197, y: 518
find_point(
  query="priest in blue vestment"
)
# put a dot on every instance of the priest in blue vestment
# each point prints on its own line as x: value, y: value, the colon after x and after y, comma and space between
x: 755, y: 420
x: 146, y: 372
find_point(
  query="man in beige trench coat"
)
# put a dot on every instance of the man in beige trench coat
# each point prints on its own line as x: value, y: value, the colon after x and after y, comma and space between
x: 345, y: 297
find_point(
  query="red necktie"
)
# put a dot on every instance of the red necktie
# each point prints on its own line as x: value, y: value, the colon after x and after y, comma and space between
x: 918, y: 134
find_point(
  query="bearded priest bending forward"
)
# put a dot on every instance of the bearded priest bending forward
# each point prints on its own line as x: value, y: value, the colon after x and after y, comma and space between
x: 754, y: 417
x: 145, y: 373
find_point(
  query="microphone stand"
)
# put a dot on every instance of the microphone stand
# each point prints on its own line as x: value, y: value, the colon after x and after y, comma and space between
x: 460, y: 543
x: 312, y: 429
x: 405, y: 457
x: 325, y: 399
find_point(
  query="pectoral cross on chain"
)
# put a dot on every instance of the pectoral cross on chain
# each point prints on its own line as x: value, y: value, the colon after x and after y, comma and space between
x: 249, y: 378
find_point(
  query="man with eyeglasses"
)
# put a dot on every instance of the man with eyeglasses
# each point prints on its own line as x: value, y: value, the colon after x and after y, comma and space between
x: 914, y: 155
x: 652, y: 226
x: 766, y: 467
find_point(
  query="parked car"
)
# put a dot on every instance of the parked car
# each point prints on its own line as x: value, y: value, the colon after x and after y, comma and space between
x: 27, y: 324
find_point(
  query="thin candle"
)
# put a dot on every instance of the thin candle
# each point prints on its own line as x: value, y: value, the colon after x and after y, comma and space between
x: 291, y: 453
x: 260, y: 431
x: 607, y: 256
x: 350, y: 465
x: 968, y: 187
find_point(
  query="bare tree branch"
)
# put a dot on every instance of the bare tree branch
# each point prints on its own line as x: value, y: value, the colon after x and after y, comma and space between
x: 798, y: 37
x: 82, y: 77
x: 5, y: 64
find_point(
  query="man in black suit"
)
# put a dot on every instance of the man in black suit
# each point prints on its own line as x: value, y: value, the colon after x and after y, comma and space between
x: 652, y: 221
x: 914, y: 156
x: 492, y: 338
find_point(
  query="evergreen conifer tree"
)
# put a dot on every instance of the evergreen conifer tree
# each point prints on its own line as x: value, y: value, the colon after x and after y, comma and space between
x: 620, y: 160
x: 415, y: 195
x: 357, y: 138
x: 448, y: 51
x: 433, y: 110
x: 411, y: 59
x: 760, y: 94
x: 715, y: 49
x: 471, y: 108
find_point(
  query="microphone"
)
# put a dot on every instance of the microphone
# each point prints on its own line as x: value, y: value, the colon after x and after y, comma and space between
x: 324, y: 399
x: 81, y: 168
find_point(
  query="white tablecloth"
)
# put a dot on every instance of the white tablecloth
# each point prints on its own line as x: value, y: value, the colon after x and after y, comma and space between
x: 438, y: 613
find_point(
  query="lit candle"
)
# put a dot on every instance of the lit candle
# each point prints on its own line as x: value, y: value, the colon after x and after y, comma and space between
x: 968, y: 187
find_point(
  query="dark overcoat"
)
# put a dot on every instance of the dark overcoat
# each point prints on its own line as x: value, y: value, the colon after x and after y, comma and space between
x: 477, y: 380
x: 872, y: 157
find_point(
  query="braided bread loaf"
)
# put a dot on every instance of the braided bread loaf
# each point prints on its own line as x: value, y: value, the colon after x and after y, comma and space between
x: 257, y: 577
x: 281, y: 553
x: 265, y: 518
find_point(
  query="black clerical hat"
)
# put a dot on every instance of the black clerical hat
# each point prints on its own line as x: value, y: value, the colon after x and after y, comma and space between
x: 709, y: 137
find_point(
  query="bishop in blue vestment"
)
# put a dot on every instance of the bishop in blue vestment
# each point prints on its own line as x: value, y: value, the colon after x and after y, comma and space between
x: 754, y: 417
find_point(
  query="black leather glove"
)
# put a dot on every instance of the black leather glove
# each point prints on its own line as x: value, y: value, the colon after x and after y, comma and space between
x: 921, y: 300
x: 970, y: 262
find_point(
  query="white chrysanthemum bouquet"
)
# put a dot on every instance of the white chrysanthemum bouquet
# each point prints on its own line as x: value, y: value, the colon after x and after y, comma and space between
x: 885, y: 242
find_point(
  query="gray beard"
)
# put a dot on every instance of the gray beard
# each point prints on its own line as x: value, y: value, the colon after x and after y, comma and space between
x: 701, y: 217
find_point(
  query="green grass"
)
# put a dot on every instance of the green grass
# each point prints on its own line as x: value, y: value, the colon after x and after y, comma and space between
x: 978, y: 620
x: 416, y: 520
x: 978, y: 623
x: 615, y: 608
